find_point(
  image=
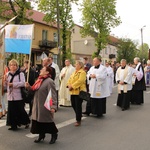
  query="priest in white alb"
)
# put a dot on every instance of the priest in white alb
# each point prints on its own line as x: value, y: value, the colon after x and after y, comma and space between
x: 64, y: 94
x: 124, y: 80
x: 98, y: 87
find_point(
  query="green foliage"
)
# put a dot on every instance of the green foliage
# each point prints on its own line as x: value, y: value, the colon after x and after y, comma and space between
x: 143, y: 54
x: 126, y: 50
x: 98, y: 16
x: 19, y: 8
x: 65, y: 18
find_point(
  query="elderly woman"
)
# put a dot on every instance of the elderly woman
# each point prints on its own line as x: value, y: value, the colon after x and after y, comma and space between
x: 14, y: 80
x: 42, y: 118
x: 77, y: 83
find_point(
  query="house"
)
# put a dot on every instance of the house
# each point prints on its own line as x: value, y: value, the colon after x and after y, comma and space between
x: 81, y: 47
x: 44, y: 38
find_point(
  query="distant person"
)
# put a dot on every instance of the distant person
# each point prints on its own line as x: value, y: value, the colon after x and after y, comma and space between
x: 4, y: 94
x: 47, y: 62
x: 110, y: 76
x: 57, y: 70
x: 43, y: 119
x: 31, y: 79
x: 75, y: 84
x: 124, y: 80
x: 115, y: 67
x: 64, y: 93
x: 87, y: 65
x: 147, y: 73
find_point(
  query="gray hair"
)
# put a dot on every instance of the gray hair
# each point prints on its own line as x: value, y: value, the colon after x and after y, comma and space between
x: 123, y: 60
x: 148, y: 62
x: 80, y: 63
x: 137, y: 59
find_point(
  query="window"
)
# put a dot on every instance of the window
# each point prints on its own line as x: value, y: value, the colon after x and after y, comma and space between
x: 55, y: 37
x: 55, y: 58
x: 44, y: 34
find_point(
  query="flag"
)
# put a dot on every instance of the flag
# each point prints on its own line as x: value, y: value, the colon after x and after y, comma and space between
x: 18, y: 38
x: 48, y: 102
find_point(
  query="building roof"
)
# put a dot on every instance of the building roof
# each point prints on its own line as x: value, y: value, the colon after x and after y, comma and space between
x: 38, y: 17
x: 112, y: 40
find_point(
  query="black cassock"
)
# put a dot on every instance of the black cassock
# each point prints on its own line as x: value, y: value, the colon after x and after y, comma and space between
x: 123, y: 100
x: 137, y: 90
x: 98, y: 106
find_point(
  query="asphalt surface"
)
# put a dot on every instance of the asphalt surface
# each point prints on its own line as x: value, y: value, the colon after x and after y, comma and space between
x: 117, y: 130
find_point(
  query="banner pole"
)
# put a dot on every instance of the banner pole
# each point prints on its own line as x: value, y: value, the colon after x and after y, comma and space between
x: 30, y: 55
x: 6, y: 23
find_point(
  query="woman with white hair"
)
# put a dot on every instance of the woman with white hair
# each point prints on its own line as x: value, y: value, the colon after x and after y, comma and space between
x: 147, y: 73
x: 139, y: 85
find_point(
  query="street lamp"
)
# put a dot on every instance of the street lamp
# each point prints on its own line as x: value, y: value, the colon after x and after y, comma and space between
x: 142, y: 36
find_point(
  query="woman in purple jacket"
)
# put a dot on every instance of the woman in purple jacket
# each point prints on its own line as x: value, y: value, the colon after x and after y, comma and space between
x: 14, y: 80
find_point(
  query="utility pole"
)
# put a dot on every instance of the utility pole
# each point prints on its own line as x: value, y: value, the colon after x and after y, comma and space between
x: 142, y: 40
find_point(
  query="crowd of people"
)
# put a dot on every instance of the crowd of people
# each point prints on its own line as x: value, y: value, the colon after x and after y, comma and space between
x: 65, y: 86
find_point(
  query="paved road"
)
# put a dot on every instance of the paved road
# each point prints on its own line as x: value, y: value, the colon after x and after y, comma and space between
x: 117, y: 130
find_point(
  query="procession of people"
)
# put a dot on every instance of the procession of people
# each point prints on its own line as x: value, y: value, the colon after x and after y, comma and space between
x: 65, y: 85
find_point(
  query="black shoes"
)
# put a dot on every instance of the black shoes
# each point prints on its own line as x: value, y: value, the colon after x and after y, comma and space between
x: 26, y: 126
x: 41, y: 137
x: 53, y: 138
x: 86, y: 113
x: 13, y: 128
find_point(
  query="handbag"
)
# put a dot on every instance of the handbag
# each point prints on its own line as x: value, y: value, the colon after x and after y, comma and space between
x: 84, y: 95
x: 27, y: 96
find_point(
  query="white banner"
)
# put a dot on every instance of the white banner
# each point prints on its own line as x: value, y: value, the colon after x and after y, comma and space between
x: 18, y: 38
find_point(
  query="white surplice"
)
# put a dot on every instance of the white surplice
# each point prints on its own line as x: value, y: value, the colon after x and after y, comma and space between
x: 98, y: 87
x: 110, y: 77
x: 120, y: 76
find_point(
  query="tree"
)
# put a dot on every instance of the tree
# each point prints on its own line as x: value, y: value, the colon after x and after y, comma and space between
x: 126, y: 50
x: 98, y: 16
x: 51, y: 9
x: 19, y: 8
x: 143, y: 53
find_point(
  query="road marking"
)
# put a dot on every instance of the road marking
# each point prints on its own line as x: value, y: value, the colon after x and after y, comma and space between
x: 60, y: 125
x: 2, y: 123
